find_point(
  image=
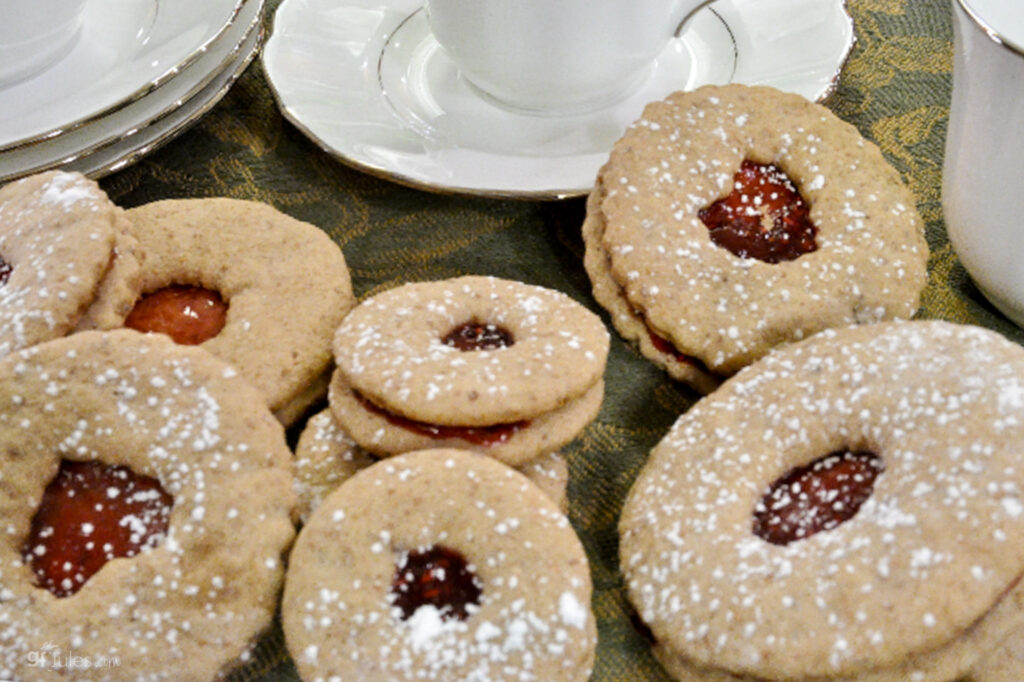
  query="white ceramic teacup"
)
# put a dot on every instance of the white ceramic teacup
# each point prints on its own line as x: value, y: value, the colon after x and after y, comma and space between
x: 35, y: 33
x: 555, y: 56
x: 982, y: 193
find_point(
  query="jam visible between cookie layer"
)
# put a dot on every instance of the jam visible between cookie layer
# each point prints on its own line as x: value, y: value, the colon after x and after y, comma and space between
x: 665, y: 346
x: 91, y: 513
x: 816, y: 497
x: 485, y: 436
x: 479, y: 336
x: 764, y: 217
x: 188, y: 314
x: 437, y: 576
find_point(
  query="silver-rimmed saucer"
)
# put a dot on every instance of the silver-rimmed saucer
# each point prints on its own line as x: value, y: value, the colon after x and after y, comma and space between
x: 366, y: 81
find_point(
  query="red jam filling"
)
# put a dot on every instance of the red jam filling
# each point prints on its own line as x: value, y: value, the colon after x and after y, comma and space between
x: 438, y: 576
x: 5, y: 271
x: 479, y: 336
x: 665, y: 346
x: 764, y: 217
x: 816, y: 497
x: 189, y: 315
x: 485, y: 436
x: 91, y: 513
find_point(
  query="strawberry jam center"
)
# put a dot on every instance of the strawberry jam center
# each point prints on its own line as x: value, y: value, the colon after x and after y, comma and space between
x: 478, y: 336
x: 189, y: 315
x: 665, y: 346
x: 437, y: 576
x: 91, y: 513
x: 485, y: 436
x: 764, y: 217
x: 816, y: 497
x: 5, y: 271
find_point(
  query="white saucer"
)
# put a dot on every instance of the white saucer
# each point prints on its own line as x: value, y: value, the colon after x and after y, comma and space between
x: 366, y: 80
x: 127, y: 121
x: 126, y: 48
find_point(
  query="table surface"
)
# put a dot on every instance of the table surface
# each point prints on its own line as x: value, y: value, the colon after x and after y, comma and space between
x: 895, y: 88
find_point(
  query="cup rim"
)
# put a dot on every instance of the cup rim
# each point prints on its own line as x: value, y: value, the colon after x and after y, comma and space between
x: 990, y: 31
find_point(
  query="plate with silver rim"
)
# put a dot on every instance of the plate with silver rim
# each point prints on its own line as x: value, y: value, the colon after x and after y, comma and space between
x: 367, y: 82
x: 132, y: 148
x: 134, y: 119
x: 125, y: 49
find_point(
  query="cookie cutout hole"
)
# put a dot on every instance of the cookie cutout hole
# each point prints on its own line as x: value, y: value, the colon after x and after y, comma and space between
x: 816, y: 497
x: 478, y: 336
x: 485, y: 436
x: 91, y: 513
x: 5, y: 271
x: 188, y: 314
x: 438, y: 577
x: 764, y: 217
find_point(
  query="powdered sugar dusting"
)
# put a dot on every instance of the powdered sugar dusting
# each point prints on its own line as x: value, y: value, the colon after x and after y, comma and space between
x: 191, y: 430
x: 945, y: 521
x: 530, y: 620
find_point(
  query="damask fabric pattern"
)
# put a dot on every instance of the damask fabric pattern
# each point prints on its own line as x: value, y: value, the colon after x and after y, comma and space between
x: 895, y: 88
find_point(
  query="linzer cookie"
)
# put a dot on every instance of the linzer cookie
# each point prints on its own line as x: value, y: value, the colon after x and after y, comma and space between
x: 253, y: 286
x: 849, y: 507
x: 439, y: 565
x: 326, y: 456
x: 57, y: 242
x: 146, y: 498
x: 733, y: 219
x: 491, y: 365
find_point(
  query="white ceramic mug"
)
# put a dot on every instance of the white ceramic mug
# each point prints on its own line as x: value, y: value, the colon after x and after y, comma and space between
x: 555, y: 56
x: 35, y: 33
x: 983, y: 172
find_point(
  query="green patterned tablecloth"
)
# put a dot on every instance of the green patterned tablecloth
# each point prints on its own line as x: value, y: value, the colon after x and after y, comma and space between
x: 895, y: 89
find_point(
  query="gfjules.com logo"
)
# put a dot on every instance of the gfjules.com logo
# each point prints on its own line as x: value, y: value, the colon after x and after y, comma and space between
x: 53, y: 657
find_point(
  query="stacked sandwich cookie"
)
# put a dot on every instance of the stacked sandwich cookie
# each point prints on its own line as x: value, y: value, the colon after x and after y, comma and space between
x: 732, y: 219
x: 850, y: 507
x: 511, y: 370
x: 326, y: 456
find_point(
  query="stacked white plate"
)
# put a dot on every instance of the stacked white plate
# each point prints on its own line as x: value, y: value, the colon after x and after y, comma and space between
x: 140, y: 72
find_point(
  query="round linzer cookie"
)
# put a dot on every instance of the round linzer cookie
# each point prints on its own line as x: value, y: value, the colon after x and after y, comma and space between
x: 439, y: 565
x: 57, y: 238
x: 146, y: 499
x: 326, y: 456
x: 849, y: 507
x: 480, y: 363
x: 253, y: 286
x: 737, y: 218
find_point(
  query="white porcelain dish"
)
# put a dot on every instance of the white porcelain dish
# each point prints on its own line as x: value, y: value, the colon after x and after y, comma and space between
x: 366, y: 81
x: 130, y: 120
x: 126, y: 48
x: 134, y: 147
x: 984, y: 155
